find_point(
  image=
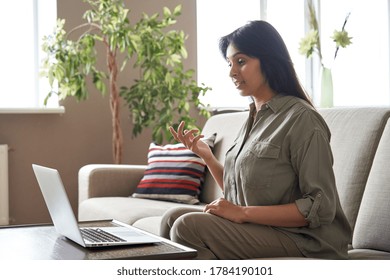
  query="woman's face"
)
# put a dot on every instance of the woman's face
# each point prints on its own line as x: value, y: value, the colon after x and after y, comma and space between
x: 246, y: 73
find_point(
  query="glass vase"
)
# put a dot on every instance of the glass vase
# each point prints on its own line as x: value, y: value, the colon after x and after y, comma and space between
x: 326, y: 100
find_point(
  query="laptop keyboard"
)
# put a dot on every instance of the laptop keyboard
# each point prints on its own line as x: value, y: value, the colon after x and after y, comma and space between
x: 99, y: 235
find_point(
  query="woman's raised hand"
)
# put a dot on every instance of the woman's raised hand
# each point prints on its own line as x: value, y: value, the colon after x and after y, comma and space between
x: 191, y: 141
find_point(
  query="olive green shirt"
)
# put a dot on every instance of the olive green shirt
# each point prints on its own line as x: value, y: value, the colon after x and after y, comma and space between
x: 282, y: 155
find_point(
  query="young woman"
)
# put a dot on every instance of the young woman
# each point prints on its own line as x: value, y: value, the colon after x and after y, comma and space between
x: 280, y: 197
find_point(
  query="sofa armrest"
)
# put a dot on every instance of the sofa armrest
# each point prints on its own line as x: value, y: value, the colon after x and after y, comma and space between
x: 99, y: 180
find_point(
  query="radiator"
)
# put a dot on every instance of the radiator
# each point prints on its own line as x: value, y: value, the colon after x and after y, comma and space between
x: 4, y: 206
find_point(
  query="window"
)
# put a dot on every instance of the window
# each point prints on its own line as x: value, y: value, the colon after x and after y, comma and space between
x: 215, y: 19
x: 361, y: 75
x: 361, y: 71
x: 23, y: 24
x: 291, y: 28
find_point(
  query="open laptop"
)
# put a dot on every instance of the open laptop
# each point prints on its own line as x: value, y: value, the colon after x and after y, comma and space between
x: 65, y: 222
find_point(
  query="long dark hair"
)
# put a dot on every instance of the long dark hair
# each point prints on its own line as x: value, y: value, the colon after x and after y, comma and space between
x: 261, y: 40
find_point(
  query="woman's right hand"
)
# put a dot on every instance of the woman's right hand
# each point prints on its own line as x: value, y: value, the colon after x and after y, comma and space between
x: 191, y: 141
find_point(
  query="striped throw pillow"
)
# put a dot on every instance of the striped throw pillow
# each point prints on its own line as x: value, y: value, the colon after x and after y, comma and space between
x: 174, y: 173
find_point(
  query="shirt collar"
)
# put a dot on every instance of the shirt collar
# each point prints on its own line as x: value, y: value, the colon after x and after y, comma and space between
x: 275, y: 103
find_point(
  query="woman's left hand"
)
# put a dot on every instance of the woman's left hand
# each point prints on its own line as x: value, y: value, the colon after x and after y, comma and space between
x: 225, y: 209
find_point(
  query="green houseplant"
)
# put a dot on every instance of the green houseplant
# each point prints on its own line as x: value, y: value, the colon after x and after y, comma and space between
x: 163, y: 88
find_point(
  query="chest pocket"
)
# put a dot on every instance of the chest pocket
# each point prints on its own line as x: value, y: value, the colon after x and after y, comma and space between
x: 260, y: 163
x: 265, y: 150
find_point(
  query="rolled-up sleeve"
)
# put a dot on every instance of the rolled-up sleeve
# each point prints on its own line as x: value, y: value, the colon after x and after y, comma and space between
x: 313, y: 162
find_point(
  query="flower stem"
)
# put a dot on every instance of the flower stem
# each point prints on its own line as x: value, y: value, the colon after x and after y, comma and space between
x: 342, y: 29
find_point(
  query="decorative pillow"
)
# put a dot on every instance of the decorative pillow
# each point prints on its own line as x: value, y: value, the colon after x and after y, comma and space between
x: 174, y: 173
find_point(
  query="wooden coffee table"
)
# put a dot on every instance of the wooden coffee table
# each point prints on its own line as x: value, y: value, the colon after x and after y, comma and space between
x: 42, y: 242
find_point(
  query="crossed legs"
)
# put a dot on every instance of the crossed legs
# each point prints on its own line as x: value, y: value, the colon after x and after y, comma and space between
x: 217, y: 238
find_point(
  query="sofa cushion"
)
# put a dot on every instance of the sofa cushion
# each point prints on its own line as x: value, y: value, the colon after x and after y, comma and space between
x: 355, y: 137
x: 174, y: 173
x: 149, y: 224
x: 124, y: 209
x: 368, y: 254
x: 372, y: 230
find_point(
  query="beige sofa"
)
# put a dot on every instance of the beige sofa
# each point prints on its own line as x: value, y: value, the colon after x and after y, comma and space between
x: 361, y: 148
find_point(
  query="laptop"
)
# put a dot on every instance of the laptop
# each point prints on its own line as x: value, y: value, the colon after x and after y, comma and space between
x: 65, y: 222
